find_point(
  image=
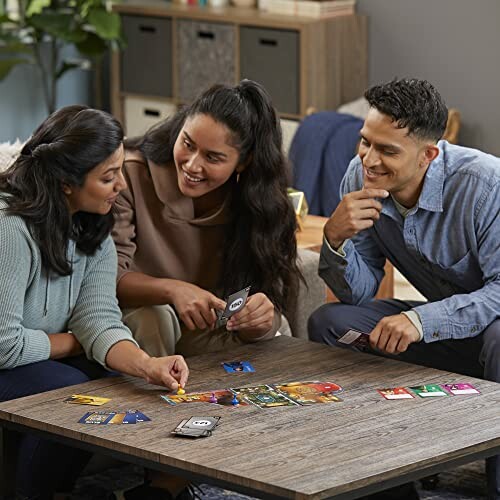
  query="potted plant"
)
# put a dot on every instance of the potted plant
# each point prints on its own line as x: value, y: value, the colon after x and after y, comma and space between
x: 37, y: 31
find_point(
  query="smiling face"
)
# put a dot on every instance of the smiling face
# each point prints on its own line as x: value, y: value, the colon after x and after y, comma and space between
x: 101, y: 187
x: 392, y: 159
x: 204, y: 157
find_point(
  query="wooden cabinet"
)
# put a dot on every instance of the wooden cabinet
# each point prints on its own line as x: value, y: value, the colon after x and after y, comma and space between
x: 176, y: 51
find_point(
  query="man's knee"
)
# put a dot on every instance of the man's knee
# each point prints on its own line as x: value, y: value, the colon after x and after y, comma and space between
x: 328, y: 323
x: 490, y: 353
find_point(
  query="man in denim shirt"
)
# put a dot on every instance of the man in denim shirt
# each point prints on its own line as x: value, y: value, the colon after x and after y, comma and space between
x: 433, y: 210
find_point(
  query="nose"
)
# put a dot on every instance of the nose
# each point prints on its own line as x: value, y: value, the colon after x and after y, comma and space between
x: 370, y: 157
x: 121, y: 183
x: 193, y: 164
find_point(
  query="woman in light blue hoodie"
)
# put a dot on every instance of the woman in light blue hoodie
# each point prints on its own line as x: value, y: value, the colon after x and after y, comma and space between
x: 60, y: 323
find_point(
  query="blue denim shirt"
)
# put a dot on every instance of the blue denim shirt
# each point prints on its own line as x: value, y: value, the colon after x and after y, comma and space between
x: 448, y: 246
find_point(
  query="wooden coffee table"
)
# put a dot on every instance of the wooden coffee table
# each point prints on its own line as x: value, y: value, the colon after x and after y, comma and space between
x: 341, y: 450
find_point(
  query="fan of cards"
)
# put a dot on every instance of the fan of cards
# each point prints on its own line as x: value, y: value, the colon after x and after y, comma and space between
x: 428, y: 391
x: 265, y: 396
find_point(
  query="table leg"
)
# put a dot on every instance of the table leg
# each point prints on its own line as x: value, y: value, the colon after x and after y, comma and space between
x: 8, y: 455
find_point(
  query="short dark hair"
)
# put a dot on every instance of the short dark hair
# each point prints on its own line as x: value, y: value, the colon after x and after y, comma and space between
x: 411, y: 103
x: 62, y: 150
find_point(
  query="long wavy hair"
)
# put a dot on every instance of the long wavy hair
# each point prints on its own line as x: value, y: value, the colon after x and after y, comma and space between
x: 62, y: 151
x: 260, y: 247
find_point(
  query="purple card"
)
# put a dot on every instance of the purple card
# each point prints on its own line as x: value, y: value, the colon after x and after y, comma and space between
x: 460, y: 389
x: 354, y: 338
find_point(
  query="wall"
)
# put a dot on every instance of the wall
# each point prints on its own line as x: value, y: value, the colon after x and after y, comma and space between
x: 455, y: 44
x: 22, y: 107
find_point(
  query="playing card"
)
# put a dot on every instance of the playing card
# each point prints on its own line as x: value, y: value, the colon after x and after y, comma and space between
x: 81, y: 399
x: 460, y: 389
x: 354, y: 338
x: 429, y: 390
x: 223, y: 397
x: 264, y: 396
x: 308, y: 393
x: 238, y: 366
x: 97, y: 417
x: 395, y: 393
x: 235, y: 302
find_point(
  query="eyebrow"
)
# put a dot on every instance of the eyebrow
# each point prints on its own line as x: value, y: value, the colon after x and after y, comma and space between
x: 111, y: 169
x: 381, y: 145
x: 219, y: 154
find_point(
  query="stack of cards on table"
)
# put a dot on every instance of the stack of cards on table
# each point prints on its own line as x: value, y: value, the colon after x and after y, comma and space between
x: 82, y: 399
x: 113, y: 417
x: 266, y: 396
x: 196, y: 427
x: 238, y: 366
x: 428, y: 391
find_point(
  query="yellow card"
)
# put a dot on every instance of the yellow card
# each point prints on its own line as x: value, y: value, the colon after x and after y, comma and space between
x: 81, y: 399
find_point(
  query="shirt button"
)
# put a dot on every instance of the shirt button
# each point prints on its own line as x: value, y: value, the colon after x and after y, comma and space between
x: 435, y: 335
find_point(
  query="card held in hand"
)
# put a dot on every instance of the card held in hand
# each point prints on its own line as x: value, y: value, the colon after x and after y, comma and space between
x: 354, y: 338
x: 235, y: 302
x: 196, y: 427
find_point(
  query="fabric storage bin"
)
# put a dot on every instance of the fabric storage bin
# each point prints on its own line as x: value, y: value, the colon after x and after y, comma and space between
x: 271, y: 57
x: 206, y: 55
x: 146, y: 62
x: 141, y: 114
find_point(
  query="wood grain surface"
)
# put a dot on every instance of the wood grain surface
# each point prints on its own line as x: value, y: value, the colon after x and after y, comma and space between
x: 343, y: 450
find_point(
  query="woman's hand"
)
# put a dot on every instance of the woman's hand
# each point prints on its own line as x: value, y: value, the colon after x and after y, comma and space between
x: 64, y: 345
x: 169, y: 371
x: 255, y: 318
x: 195, y: 306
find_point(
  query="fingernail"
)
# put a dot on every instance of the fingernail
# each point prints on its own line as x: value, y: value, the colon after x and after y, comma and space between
x: 386, y: 194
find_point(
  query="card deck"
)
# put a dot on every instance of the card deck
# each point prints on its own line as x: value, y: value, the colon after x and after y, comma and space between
x: 354, y: 338
x: 310, y: 392
x: 395, y: 393
x: 82, y: 399
x: 460, y: 389
x: 429, y: 391
x: 97, y: 417
x: 196, y: 427
x: 234, y: 303
x: 114, y: 417
x: 238, y: 366
x: 264, y: 396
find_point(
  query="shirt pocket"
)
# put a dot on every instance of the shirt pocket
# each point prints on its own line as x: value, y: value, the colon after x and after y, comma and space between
x: 463, y: 275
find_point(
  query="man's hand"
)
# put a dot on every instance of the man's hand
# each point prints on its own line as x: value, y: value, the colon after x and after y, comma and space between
x: 355, y: 212
x: 393, y: 334
x: 256, y: 317
x: 195, y: 306
x: 169, y: 371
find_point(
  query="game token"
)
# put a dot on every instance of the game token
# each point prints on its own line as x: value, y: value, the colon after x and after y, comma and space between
x: 235, y: 401
x: 213, y: 399
x: 180, y: 391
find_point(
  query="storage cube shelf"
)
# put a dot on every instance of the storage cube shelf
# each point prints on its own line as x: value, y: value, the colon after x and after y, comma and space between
x: 176, y: 51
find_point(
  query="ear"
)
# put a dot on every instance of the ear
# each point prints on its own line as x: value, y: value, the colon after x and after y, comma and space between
x: 430, y: 153
x: 66, y: 189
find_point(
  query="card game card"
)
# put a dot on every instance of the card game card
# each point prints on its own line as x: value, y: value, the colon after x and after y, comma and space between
x: 354, y: 338
x: 222, y: 397
x: 238, y: 366
x: 310, y: 392
x: 81, y: 399
x: 235, y: 302
x: 395, y: 393
x: 196, y: 427
x: 97, y: 417
x: 460, y: 389
x: 429, y: 390
x: 264, y: 396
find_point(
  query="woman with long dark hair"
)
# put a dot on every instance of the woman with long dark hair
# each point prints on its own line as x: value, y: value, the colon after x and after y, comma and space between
x: 206, y: 214
x: 60, y: 323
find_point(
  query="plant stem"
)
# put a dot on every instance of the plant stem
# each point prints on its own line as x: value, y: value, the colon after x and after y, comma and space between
x: 40, y: 64
x: 53, y: 70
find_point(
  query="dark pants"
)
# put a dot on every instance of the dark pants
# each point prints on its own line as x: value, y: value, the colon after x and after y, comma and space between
x: 44, y: 466
x: 475, y: 357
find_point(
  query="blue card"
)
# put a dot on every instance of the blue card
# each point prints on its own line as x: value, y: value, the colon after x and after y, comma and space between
x: 238, y: 366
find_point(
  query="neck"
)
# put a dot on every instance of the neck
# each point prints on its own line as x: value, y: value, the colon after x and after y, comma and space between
x: 209, y: 203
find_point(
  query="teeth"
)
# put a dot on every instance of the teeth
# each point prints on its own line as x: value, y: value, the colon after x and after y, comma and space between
x: 192, y: 179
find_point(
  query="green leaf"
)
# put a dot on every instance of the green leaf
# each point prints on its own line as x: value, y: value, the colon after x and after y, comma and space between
x: 36, y: 7
x: 106, y: 24
x: 15, y: 48
x: 7, y: 64
x: 65, y: 66
x: 59, y: 25
x: 92, y: 46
